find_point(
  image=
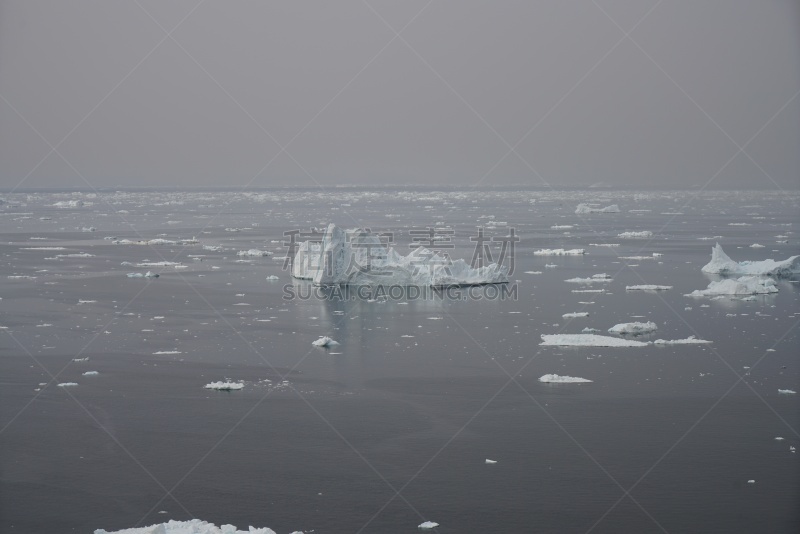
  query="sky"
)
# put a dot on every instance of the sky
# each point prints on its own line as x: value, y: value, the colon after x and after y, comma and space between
x: 190, y: 93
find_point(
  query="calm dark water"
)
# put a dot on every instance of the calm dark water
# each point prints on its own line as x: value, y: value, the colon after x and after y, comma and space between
x: 393, y: 426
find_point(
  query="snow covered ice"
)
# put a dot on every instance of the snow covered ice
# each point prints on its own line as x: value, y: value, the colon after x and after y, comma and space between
x: 557, y: 379
x: 745, y: 285
x: 721, y: 263
x: 357, y: 257
x: 586, y: 208
x: 588, y: 340
x: 635, y: 328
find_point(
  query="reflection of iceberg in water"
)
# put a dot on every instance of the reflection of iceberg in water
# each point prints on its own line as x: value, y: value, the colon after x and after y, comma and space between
x: 357, y: 257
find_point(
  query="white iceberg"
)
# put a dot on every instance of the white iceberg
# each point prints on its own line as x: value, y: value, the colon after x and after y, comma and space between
x: 635, y: 328
x: 722, y: 264
x: 691, y: 340
x: 427, y: 525
x: 745, y: 285
x: 254, y: 252
x: 194, y: 526
x: 586, y: 208
x: 588, y: 340
x: 557, y: 379
x: 634, y: 235
x: 357, y: 257
x: 647, y: 287
x: 559, y: 252
x: 324, y: 341
x: 224, y: 386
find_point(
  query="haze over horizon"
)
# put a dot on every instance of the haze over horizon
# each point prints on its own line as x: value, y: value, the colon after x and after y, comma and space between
x: 97, y: 94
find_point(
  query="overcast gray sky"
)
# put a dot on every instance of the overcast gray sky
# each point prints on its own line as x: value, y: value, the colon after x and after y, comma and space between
x: 470, y: 92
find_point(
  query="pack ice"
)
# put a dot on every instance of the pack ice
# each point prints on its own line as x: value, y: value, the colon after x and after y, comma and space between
x: 721, y: 263
x: 357, y: 257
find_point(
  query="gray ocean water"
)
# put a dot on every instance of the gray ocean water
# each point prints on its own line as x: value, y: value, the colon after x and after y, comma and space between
x: 393, y: 426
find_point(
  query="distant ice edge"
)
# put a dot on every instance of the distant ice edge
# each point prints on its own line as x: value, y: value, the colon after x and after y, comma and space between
x: 357, y: 257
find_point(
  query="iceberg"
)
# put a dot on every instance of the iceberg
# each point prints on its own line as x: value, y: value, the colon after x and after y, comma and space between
x: 194, y: 526
x: 781, y: 391
x: 427, y: 525
x: 357, y: 257
x: 148, y: 274
x: 556, y: 379
x: 572, y: 315
x: 588, y: 340
x: 324, y: 341
x: 745, y: 285
x: 559, y: 252
x: 634, y: 329
x: 602, y: 277
x: 721, y: 263
x: 586, y: 208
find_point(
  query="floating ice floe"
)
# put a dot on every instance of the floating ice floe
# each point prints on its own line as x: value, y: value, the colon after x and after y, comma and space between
x: 272, y: 277
x: 488, y: 461
x: 174, y: 264
x: 148, y: 274
x: 67, y: 384
x: 357, y: 257
x: 254, y: 252
x: 586, y: 208
x: 722, y: 264
x: 324, y: 341
x: 745, y: 285
x: 588, y: 340
x: 594, y: 278
x: 91, y: 373
x: 634, y: 235
x: 635, y: 328
x: 194, y: 526
x: 691, y: 340
x: 224, y: 386
x: 572, y: 315
x: 427, y: 525
x: 557, y: 379
x: 781, y: 391
x: 561, y: 227
x: 647, y: 287
x: 559, y: 252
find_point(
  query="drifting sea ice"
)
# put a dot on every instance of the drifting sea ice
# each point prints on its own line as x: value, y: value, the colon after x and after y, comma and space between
x: 556, y: 379
x: 722, y: 264
x: 634, y: 235
x: 586, y: 208
x: 635, y: 328
x: 559, y: 252
x: 224, y: 386
x: 254, y: 252
x: 781, y: 391
x: 194, y: 526
x: 745, y: 285
x: 324, y: 341
x: 588, y: 340
x: 647, y: 287
x: 427, y: 525
x: 691, y: 340
x: 572, y: 315
x: 595, y: 278
x: 67, y: 384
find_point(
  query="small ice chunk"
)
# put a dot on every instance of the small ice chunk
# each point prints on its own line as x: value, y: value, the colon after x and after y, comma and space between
x: 781, y: 391
x: 745, y: 285
x: 254, y: 252
x: 70, y: 384
x: 575, y: 314
x: 751, y: 481
x: 691, y: 340
x: 90, y: 373
x: 647, y: 287
x: 557, y: 379
x: 559, y: 252
x: 488, y: 461
x: 586, y: 208
x: 272, y: 277
x: 427, y: 525
x: 324, y: 341
x: 634, y: 235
